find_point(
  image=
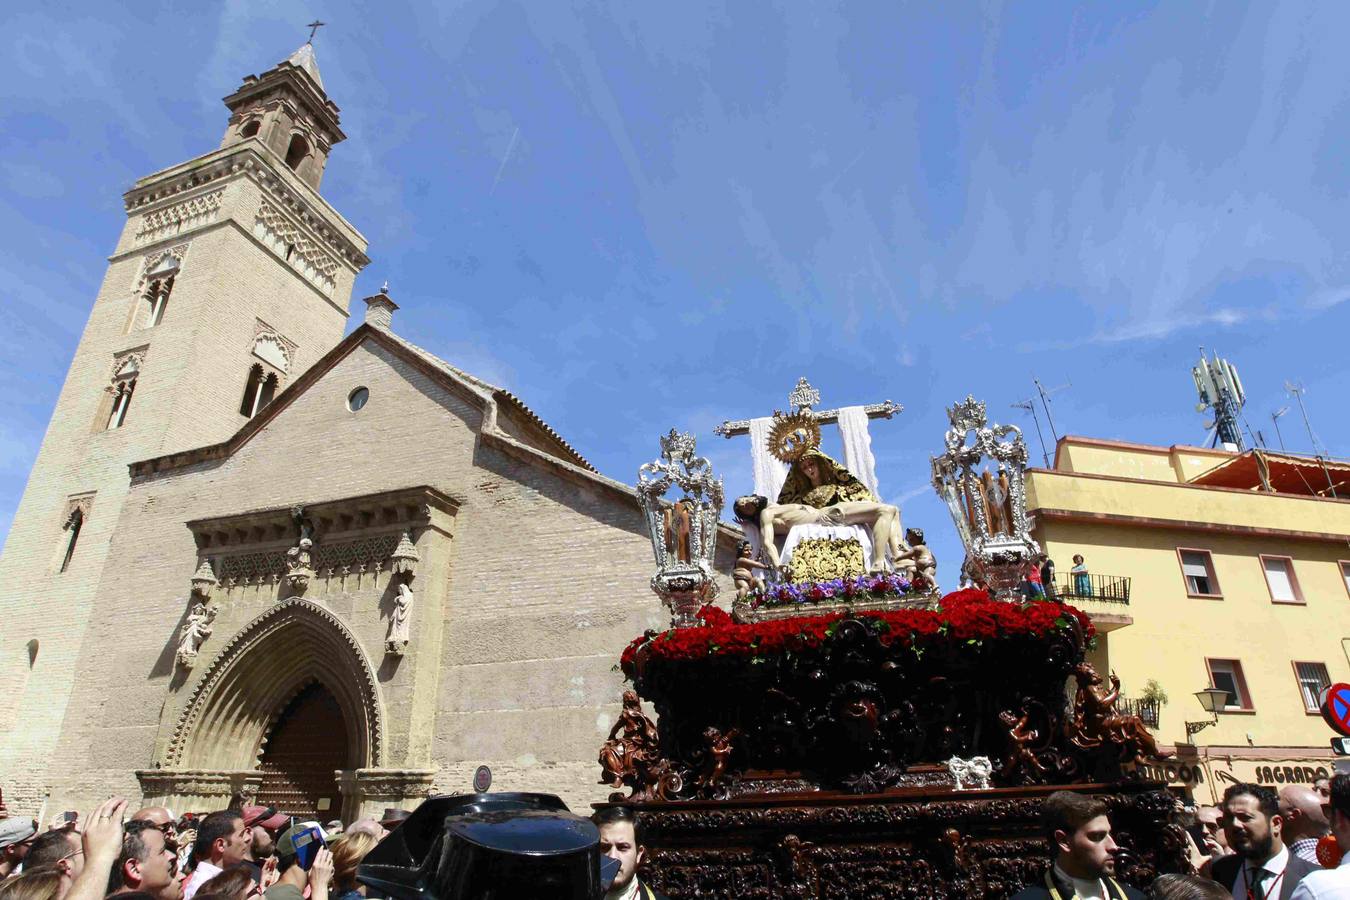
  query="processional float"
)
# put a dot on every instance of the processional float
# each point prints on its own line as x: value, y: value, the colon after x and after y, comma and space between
x: 846, y: 729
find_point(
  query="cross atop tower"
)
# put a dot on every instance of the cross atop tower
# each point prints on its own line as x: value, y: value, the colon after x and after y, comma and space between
x: 314, y: 28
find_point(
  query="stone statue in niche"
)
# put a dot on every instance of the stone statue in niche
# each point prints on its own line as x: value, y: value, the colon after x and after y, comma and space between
x: 196, y: 629
x: 400, y: 621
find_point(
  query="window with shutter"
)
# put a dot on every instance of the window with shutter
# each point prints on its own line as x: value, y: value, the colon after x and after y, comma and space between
x: 1198, y: 571
x: 1281, y: 580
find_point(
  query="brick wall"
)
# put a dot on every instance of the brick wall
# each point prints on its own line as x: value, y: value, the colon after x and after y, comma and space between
x: 187, y: 395
x: 544, y: 581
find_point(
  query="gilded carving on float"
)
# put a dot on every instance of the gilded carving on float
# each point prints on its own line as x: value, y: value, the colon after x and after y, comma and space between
x: 988, y: 506
x: 683, y: 532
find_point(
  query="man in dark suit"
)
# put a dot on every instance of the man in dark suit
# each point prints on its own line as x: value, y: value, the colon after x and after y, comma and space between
x: 1080, y: 836
x: 621, y: 840
x: 1261, y: 866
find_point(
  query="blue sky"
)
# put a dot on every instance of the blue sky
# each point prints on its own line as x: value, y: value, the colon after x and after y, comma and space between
x: 639, y: 216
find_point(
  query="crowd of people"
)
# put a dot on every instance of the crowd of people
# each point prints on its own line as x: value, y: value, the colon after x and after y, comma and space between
x: 1256, y: 845
x: 232, y: 854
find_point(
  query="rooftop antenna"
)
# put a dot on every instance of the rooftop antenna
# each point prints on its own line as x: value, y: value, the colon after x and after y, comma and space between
x: 1298, y: 390
x: 1030, y: 407
x: 1046, y: 393
x: 1275, y: 420
x: 1220, y: 389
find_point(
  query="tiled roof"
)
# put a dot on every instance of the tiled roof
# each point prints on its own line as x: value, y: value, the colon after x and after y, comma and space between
x: 499, y: 394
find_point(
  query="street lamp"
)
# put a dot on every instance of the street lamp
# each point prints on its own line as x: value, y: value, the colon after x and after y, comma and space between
x: 1212, y: 700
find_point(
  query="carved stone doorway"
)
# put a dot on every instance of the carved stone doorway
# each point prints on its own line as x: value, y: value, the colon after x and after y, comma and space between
x: 306, y: 745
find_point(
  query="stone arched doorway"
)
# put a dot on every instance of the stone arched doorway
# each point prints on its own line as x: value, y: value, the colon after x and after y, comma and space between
x: 295, y: 670
x: 305, y: 745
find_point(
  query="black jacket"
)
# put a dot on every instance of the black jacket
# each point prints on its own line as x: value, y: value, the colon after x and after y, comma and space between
x: 1114, y: 889
x: 1225, y: 869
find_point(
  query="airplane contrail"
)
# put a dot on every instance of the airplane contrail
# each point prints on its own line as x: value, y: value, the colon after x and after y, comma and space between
x: 505, y: 156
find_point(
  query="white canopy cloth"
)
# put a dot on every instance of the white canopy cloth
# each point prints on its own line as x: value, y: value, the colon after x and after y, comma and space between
x: 858, y: 457
x: 770, y: 472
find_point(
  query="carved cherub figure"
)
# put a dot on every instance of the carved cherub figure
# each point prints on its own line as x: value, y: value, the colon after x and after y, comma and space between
x: 1021, y: 739
x: 743, y: 574
x: 719, y: 751
x: 917, y: 562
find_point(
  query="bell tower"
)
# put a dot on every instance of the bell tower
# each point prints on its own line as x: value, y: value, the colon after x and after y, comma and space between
x: 231, y: 276
x: 288, y: 111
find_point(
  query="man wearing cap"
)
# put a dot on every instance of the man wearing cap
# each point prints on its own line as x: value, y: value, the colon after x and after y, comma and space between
x: 263, y: 824
x: 16, y: 836
x: 368, y: 826
x: 393, y: 818
x: 291, y: 884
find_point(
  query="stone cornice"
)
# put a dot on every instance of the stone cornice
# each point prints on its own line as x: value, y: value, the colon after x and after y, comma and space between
x: 254, y: 160
x: 398, y: 510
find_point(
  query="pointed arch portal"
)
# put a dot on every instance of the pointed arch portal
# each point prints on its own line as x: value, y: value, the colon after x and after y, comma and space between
x: 291, y: 670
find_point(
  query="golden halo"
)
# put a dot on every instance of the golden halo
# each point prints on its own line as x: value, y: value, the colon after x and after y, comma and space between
x: 792, y: 436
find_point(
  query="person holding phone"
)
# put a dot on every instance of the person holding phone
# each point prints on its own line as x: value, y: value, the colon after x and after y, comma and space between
x: 303, y: 860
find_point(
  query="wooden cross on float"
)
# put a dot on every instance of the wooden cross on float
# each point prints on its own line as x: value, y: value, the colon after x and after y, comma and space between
x: 803, y: 400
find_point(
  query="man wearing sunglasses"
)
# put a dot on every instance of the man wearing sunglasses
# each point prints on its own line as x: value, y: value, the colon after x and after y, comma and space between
x: 162, y: 818
x: 61, y: 849
x: 146, y: 863
x: 16, y: 839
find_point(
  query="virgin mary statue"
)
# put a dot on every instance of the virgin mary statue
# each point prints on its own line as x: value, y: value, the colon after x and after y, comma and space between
x: 817, y: 480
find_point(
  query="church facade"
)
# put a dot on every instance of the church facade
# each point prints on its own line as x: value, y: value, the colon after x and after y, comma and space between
x: 256, y: 556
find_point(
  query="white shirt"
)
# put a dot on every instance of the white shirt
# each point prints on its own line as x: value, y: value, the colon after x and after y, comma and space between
x: 1275, y: 866
x: 200, y: 876
x: 1327, y: 884
x: 629, y: 893
x: 1084, y: 888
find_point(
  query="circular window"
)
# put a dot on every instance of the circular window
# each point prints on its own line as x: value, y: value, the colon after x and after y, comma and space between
x: 357, y: 399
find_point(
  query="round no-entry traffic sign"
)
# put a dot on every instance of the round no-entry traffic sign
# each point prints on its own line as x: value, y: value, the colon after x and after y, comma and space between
x: 1336, y: 707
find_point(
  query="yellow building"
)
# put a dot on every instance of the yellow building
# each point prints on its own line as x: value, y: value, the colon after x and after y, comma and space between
x: 1209, y: 567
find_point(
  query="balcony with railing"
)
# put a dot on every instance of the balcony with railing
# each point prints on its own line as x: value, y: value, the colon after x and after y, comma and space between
x: 1145, y: 709
x: 1105, y: 598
